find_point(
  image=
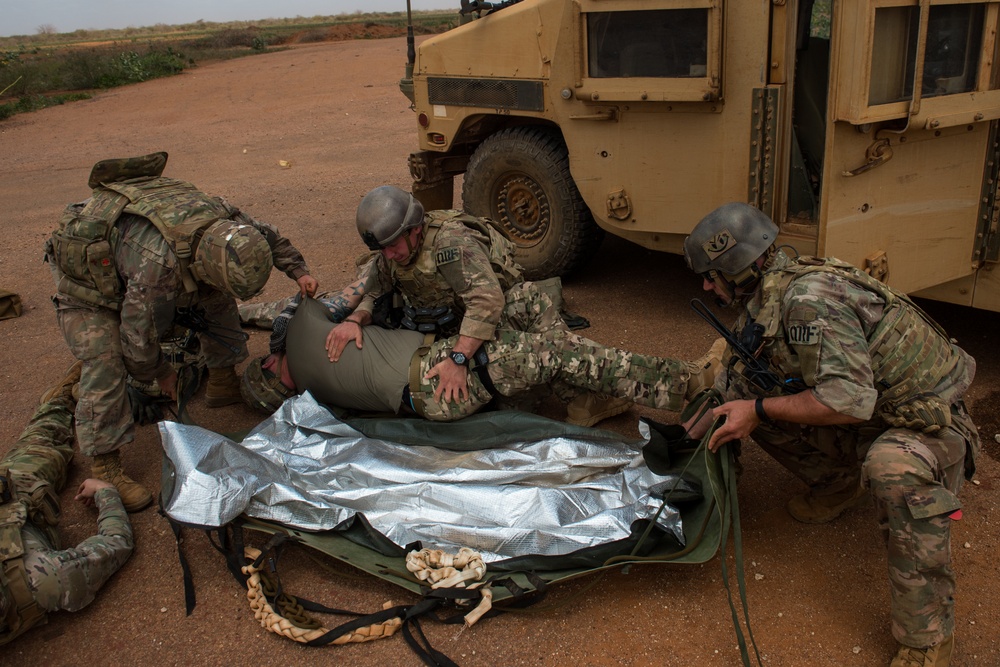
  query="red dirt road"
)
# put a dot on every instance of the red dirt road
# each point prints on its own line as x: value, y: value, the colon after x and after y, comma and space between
x: 818, y: 594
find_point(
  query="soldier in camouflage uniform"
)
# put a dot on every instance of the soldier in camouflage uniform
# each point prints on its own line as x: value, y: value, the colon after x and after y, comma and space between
x: 125, y: 262
x: 390, y: 373
x: 453, y: 262
x: 37, y: 577
x: 869, y: 397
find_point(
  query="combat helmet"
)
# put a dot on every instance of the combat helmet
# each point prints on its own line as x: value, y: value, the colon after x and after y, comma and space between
x: 261, y: 389
x: 233, y: 257
x: 385, y: 213
x: 725, y: 245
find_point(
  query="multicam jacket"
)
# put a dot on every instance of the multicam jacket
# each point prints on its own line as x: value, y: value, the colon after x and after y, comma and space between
x: 152, y: 285
x: 456, y: 266
x: 863, y: 349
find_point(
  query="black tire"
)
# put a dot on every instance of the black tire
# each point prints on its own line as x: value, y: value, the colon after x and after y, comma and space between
x: 519, y: 178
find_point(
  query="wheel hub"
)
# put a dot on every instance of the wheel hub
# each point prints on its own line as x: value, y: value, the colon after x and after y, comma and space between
x: 523, y: 209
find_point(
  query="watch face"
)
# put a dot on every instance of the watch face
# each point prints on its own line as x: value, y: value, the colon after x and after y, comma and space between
x: 459, y: 358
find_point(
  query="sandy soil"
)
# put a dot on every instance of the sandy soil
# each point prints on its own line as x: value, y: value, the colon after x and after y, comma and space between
x: 818, y: 594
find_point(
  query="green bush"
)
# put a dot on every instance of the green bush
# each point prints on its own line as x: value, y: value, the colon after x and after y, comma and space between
x: 36, y: 102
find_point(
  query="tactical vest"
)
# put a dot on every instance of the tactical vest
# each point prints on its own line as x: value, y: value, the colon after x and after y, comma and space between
x: 497, y: 247
x: 83, y: 246
x: 42, y: 505
x: 907, y: 363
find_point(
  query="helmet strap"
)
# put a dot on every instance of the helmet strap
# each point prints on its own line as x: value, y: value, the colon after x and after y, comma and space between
x: 411, y: 246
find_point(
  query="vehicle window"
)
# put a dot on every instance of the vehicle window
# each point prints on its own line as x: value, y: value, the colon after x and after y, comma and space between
x: 951, y: 56
x: 667, y: 43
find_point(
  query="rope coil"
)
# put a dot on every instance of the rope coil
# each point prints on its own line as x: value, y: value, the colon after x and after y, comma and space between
x: 273, y: 621
x: 444, y: 570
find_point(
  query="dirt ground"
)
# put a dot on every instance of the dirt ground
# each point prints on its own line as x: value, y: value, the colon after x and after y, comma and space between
x: 818, y: 595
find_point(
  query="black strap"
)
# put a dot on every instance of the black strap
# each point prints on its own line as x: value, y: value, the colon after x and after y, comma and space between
x: 482, y: 372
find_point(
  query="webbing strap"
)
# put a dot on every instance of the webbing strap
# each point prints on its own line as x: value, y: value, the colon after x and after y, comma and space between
x: 731, y: 516
x: 482, y: 360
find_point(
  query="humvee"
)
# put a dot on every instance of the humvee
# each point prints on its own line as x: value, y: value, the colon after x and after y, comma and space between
x: 867, y: 129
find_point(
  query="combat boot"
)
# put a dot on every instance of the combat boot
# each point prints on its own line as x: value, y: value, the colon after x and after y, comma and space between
x: 938, y: 655
x: 590, y: 408
x: 68, y: 387
x: 109, y: 468
x: 223, y: 387
x: 704, y: 369
x: 809, y: 508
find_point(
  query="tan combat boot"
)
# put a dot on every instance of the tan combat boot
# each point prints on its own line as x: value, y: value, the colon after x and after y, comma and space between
x: 938, y: 655
x: 704, y: 369
x: 809, y: 508
x: 590, y: 408
x: 68, y: 386
x: 223, y: 387
x: 109, y: 468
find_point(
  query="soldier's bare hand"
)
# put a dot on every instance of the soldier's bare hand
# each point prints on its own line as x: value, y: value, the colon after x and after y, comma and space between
x: 168, y: 385
x: 307, y: 285
x: 453, y: 381
x: 340, y: 336
x: 85, y: 494
x: 741, y: 420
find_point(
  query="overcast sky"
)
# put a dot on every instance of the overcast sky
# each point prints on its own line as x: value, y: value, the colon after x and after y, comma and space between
x: 23, y: 17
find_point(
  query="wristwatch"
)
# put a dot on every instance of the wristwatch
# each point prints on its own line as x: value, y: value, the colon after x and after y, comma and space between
x: 459, y: 358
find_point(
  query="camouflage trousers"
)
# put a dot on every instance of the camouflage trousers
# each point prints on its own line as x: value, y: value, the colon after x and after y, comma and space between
x: 43, y: 452
x: 520, y: 361
x: 914, y: 479
x: 103, y: 413
x: 70, y: 578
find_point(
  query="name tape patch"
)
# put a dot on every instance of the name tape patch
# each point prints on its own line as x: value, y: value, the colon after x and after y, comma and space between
x: 803, y: 334
x: 447, y: 256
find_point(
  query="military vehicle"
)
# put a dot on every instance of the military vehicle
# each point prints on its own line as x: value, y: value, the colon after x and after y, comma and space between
x: 867, y: 129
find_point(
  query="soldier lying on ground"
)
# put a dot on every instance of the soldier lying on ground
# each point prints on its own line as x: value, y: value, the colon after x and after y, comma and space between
x: 394, y: 372
x: 126, y: 263
x: 36, y: 577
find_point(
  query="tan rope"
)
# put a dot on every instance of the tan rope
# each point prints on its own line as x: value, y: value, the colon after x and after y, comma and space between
x: 445, y: 570
x: 278, y: 624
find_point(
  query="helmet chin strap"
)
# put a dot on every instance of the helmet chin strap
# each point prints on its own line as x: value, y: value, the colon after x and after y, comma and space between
x: 739, y: 286
x: 411, y: 247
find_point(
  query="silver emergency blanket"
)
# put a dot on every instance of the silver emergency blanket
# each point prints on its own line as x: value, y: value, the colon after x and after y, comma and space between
x: 305, y: 469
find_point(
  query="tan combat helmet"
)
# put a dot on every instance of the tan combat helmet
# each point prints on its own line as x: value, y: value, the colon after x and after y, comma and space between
x: 233, y: 257
x: 725, y: 245
x: 385, y: 213
x: 261, y: 389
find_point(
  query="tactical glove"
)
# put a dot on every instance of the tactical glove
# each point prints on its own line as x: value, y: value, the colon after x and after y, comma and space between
x: 928, y: 414
x: 146, y: 409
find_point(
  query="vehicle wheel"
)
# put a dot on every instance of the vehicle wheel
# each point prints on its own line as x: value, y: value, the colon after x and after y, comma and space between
x: 519, y: 178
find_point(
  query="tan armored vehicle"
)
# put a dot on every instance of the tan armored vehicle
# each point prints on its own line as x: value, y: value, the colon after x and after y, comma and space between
x: 866, y: 128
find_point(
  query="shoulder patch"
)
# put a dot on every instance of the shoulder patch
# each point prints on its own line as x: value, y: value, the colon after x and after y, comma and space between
x: 447, y: 255
x: 803, y: 334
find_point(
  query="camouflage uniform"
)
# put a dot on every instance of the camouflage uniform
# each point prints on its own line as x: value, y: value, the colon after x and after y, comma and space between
x: 867, y: 352
x: 114, y: 343
x: 69, y: 578
x: 538, y: 351
x: 520, y: 362
x: 453, y: 268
